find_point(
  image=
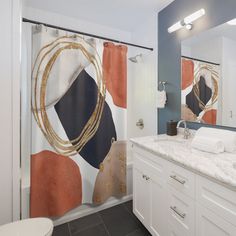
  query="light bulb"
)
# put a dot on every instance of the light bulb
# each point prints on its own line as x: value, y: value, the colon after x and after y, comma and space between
x: 232, y: 22
x: 175, y: 27
x: 196, y: 15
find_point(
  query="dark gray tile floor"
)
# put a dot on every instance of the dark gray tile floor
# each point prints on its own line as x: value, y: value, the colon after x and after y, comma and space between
x: 116, y: 221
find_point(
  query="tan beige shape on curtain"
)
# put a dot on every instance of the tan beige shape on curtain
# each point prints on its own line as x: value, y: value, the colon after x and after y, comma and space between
x: 187, y: 114
x: 111, y: 179
x: 56, y: 185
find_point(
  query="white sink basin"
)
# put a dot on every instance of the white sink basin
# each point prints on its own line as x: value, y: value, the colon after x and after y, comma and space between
x: 169, y: 140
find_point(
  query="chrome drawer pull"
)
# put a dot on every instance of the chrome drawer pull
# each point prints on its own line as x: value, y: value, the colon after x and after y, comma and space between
x: 181, y: 181
x: 182, y: 215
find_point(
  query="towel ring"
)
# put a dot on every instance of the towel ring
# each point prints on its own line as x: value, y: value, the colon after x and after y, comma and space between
x: 163, y: 83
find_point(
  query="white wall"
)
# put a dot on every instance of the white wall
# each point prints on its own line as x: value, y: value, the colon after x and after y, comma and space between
x: 76, y: 24
x: 202, y: 51
x: 229, y: 82
x: 143, y: 85
x: 9, y: 102
x: 186, y: 51
x: 6, y: 113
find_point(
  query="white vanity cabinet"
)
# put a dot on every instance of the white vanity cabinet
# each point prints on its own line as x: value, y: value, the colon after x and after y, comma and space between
x: 141, y: 190
x: 149, y: 194
x: 173, y: 201
x: 208, y: 223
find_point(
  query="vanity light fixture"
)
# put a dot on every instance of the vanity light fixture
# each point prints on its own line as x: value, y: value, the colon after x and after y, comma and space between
x: 232, y: 22
x: 187, y: 21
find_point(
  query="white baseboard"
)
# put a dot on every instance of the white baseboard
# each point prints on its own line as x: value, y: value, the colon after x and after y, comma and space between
x: 87, y: 210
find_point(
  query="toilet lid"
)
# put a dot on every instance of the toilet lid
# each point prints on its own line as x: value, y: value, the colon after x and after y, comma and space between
x: 28, y: 227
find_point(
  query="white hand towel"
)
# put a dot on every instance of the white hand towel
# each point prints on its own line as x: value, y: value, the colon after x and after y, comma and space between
x: 227, y: 137
x: 207, y: 144
x: 161, y: 99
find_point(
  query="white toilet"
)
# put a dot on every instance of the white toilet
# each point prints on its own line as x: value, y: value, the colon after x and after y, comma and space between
x: 28, y: 227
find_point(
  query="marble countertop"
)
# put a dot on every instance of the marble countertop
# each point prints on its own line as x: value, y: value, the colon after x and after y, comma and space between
x: 220, y: 167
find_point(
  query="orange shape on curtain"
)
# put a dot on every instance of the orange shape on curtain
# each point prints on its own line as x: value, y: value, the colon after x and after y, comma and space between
x: 115, y: 72
x: 56, y: 185
x: 187, y: 73
x: 210, y: 117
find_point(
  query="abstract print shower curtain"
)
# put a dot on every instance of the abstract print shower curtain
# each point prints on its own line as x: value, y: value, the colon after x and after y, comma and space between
x: 79, y: 122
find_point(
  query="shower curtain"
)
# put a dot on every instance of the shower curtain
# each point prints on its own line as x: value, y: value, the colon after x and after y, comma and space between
x: 78, y: 122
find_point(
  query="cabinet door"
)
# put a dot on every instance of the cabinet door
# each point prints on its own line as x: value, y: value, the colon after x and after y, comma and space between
x: 208, y: 223
x: 140, y: 196
x: 158, y: 203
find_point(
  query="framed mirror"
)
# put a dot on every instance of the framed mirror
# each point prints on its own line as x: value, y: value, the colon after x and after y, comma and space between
x: 208, y: 66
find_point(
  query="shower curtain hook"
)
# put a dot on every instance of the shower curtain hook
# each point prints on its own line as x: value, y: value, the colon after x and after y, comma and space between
x: 39, y: 27
x: 57, y: 32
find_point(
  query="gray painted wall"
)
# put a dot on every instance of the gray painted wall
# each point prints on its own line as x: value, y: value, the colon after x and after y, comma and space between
x: 169, y: 47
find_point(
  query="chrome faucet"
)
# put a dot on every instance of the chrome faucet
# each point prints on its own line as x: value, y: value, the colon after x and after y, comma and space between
x: 186, y: 130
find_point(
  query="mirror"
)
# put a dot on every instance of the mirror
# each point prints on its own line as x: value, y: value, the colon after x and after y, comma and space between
x: 208, y: 65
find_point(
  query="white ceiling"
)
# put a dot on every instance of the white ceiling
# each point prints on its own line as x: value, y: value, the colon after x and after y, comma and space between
x: 120, y: 14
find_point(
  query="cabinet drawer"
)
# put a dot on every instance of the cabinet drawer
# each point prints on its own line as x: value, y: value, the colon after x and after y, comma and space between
x: 181, y: 213
x: 181, y: 179
x: 217, y: 198
x: 174, y: 230
x: 148, y: 167
x: 140, y: 164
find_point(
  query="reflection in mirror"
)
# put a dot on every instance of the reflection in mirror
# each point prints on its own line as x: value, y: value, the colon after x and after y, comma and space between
x: 208, y: 91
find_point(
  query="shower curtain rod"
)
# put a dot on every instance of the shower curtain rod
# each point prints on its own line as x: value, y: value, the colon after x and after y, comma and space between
x: 84, y: 33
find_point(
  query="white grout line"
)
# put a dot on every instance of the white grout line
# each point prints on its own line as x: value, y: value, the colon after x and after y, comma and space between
x: 104, y: 224
x: 87, y: 227
x: 69, y: 229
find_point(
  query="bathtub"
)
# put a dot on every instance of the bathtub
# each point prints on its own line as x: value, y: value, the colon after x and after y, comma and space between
x: 82, y: 210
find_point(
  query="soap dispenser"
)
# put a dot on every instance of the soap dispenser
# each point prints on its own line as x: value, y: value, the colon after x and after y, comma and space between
x: 171, y: 129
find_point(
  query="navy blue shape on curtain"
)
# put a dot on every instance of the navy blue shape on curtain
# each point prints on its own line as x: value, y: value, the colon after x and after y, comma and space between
x: 205, y: 94
x: 74, y: 110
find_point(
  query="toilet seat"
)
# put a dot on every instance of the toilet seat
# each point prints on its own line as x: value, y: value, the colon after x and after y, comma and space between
x: 28, y: 227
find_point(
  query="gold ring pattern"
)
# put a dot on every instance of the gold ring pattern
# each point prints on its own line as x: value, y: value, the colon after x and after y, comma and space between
x: 65, y: 147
